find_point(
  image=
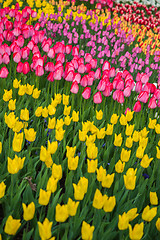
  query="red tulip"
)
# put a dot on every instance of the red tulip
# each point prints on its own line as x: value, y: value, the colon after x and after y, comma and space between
x: 86, y: 93
x: 60, y: 57
x: 97, y: 98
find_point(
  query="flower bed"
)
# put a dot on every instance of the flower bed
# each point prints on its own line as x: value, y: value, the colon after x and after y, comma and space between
x: 79, y: 146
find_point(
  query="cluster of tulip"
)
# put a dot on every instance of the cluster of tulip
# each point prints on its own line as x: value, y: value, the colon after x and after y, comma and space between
x: 139, y: 13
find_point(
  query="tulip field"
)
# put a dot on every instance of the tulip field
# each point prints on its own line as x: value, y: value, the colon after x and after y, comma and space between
x: 79, y: 117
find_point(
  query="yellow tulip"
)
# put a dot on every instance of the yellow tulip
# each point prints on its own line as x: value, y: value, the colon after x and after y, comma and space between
x: 87, y: 231
x: 45, y: 229
x: 61, y: 213
x: 12, y: 225
x: 28, y: 211
x: 136, y: 232
x: 148, y: 214
x: 44, y: 197
x: 153, y: 198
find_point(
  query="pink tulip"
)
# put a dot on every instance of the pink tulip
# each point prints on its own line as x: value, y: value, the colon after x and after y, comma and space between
x: 81, y: 68
x: 90, y: 80
x: 97, y: 74
x: 77, y: 77
x: 84, y: 81
x: 46, y: 47
x: 88, y: 57
x: 108, y: 90
x: 127, y: 91
x: 124, y: 74
x: 25, y: 52
x: 68, y: 49
x: 93, y: 63
x: 51, y: 53
x: 97, y: 98
x: 157, y: 94
x: 39, y: 71
x: 3, y: 72
x: 5, y: 58
x: 60, y: 57
x: 144, y: 78
x: 130, y: 83
x: 106, y: 65
x: 30, y: 45
x: 120, y: 97
x: 137, y: 107
x: 26, y: 68
x: 20, y: 41
x: 59, y: 47
x: 152, y: 103
x: 120, y: 84
x: 86, y: 93
x: 138, y: 87
x: 16, y: 31
x: 112, y: 72
x: 102, y: 85
x: 75, y: 63
x: 88, y: 67
x: 75, y: 51
x: 50, y: 77
x: 20, y: 67
x: 37, y: 26
x: 74, y: 88
x: 58, y: 73
x: 70, y: 76
x: 49, y: 67
x: 143, y: 96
